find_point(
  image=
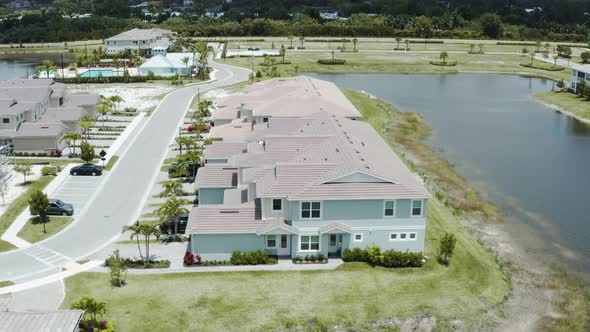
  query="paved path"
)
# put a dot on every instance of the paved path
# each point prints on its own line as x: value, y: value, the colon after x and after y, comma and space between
x: 119, y: 198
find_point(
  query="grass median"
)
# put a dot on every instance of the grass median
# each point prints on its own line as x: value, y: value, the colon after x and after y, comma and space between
x: 566, y: 101
x: 33, y: 229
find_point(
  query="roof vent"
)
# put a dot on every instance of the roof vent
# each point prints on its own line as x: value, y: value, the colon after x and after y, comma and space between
x: 367, y: 167
x: 325, y: 159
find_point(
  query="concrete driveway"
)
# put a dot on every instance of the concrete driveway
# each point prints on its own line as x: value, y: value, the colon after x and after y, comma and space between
x: 123, y: 191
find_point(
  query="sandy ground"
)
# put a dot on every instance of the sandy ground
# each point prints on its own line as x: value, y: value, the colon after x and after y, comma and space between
x: 142, y: 96
x: 15, y: 187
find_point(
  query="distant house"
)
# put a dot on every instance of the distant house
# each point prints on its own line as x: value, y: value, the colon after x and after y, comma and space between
x: 36, y: 113
x: 151, y: 41
x: 579, y: 73
x: 167, y: 65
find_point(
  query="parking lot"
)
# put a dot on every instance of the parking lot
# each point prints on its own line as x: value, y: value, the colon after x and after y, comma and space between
x: 77, y: 190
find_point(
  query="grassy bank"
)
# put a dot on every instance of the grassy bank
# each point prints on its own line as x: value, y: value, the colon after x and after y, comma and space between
x: 33, y: 229
x: 566, y: 101
x: 354, y: 293
x: 18, y: 206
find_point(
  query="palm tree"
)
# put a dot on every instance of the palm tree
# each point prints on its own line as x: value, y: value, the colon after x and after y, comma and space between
x: 172, y: 188
x: 185, y: 61
x: 302, y: 39
x: 291, y: 40
x: 480, y: 46
x: 135, y: 230
x: 444, y: 55
x: 46, y: 66
x: 117, y: 100
x: 91, y: 307
x: 173, y: 207
x: 103, y: 109
x: 296, y: 68
x: 547, y: 47
x: 532, y: 54
x: 86, y: 125
x: 179, y: 171
x: 71, y: 138
x: 204, y: 107
x: 149, y: 230
x: 398, y: 39
x: 184, y: 141
x: 471, y: 48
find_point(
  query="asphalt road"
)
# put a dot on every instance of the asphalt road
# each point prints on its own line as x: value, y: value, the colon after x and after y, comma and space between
x: 119, y: 199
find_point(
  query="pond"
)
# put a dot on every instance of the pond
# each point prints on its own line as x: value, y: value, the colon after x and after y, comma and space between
x: 529, y: 159
x: 13, y: 66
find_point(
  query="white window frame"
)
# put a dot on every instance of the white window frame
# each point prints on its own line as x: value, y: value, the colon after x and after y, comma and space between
x: 272, y: 205
x: 394, y: 208
x: 421, y: 208
x: 354, y: 237
x: 310, y: 210
x: 266, y: 241
x: 310, y: 242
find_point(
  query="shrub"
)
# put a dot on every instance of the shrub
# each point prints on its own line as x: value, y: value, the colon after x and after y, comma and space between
x: 444, y: 64
x: 446, y: 248
x: 251, y: 258
x: 332, y: 61
x: 190, y: 259
x: 49, y: 170
x: 388, y: 258
x: 55, y: 153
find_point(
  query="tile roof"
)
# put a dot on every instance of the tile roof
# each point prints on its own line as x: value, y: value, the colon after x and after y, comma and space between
x: 223, y: 150
x: 217, y: 176
x: 82, y: 100
x: 66, y: 114
x: 218, y: 219
x: 140, y: 34
x: 61, y: 320
x: 40, y: 129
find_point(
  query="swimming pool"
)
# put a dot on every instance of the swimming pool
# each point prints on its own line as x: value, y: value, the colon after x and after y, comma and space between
x: 100, y: 72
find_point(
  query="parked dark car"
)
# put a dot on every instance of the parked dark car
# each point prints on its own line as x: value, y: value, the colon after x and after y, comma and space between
x: 253, y: 49
x: 86, y: 169
x: 192, y: 169
x: 60, y: 208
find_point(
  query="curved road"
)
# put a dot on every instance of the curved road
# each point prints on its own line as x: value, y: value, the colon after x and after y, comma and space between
x: 120, y: 198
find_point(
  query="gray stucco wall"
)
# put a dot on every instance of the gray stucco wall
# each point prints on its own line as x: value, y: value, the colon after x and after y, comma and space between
x: 44, y: 144
x: 211, y: 195
x: 221, y: 246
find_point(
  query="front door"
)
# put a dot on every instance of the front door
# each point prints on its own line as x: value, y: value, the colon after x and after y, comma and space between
x: 283, y: 245
x: 334, y: 243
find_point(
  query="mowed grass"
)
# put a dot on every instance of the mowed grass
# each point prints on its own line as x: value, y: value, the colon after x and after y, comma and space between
x: 18, y: 206
x: 567, y: 101
x: 33, y: 229
x: 353, y: 293
x: 399, y: 63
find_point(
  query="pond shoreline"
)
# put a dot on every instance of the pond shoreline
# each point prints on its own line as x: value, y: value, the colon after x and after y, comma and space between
x: 561, y: 110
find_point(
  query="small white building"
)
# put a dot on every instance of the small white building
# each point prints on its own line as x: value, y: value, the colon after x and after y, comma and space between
x: 168, y: 65
x: 579, y: 74
x: 151, y: 41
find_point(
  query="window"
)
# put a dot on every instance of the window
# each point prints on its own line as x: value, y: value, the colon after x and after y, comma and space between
x: 332, y: 240
x: 412, y: 236
x: 311, y: 210
x: 389, y: 208
x: 264, y: 120
x: 283, y: 241
x: 5, y: 120
x: 417, y: 208
x: 271, y: 241
x: 358, y: 237
x: 277, y: 204
x: 309, y: 243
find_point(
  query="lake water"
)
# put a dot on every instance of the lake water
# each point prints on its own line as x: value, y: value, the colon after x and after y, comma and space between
x: 13, y: 66
x: 532, y: 161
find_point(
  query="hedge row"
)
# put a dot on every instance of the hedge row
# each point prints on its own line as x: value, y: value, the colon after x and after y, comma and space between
x: 331, y: 62
x: 251, y: 258
x: 388, y: 258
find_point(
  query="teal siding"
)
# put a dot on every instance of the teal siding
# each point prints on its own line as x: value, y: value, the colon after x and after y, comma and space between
x: 350, y: 210
x: 402, y: 208
x: 211, y: 195
x: 381, y: 239
x: 221, y: 246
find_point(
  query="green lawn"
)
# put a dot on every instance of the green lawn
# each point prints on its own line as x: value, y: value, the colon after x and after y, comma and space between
x: 33, y: 229
x: 18, y: 206
x: 6, y: 283
x: 567, y: 101
x: 111, y: 163
x: 355, y: 292
x: 401, y: 63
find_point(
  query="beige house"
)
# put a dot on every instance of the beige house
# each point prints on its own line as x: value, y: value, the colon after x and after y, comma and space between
x: 36, y: 113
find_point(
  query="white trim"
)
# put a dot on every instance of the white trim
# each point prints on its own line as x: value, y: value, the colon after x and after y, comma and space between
x: 421, y: 208
x: 310, y: 250
x: 394, y: 208
x: 335, y: 228
x: 365, y: 228
x: 277, y: 226
x: 266, y: 242
x: 310, y: 210
x: 354, y: 237
x: 272, y: 205
x: 407, y: 236
x: 360, y: 171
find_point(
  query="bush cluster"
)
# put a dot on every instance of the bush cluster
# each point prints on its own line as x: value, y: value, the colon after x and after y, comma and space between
x: 49, y: 170
x: 309, y: 258
x: 547, y: 68
x: 138, y: 263
x: 332, y: 61
x: 33, y: 154
x: 444, y: 64
x: 251, y: 258
x: 388, y: 258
